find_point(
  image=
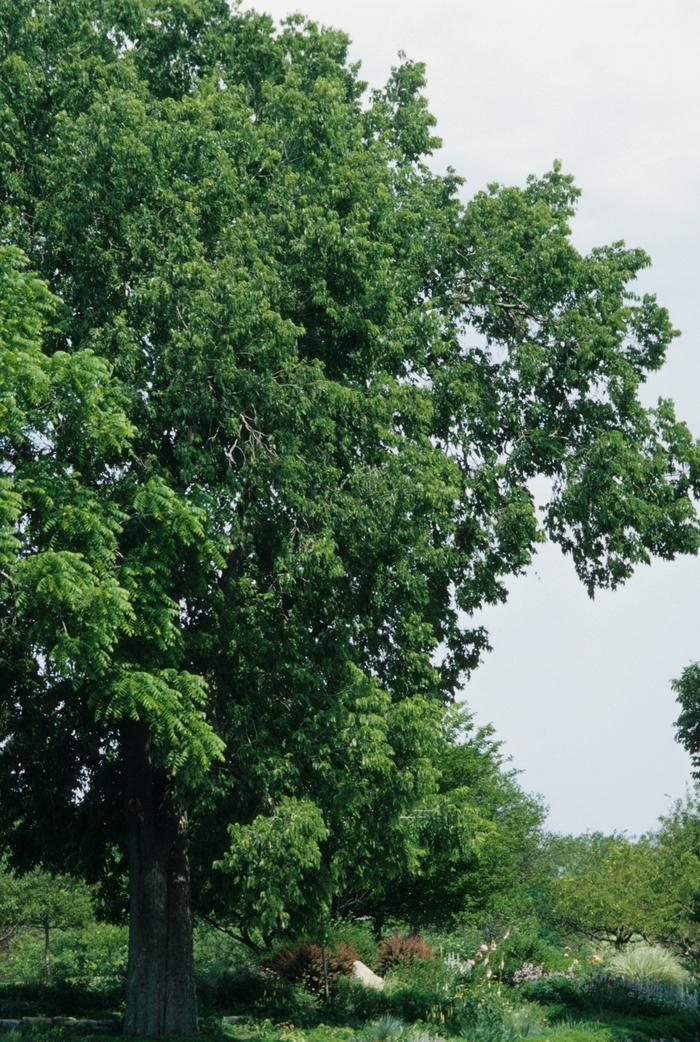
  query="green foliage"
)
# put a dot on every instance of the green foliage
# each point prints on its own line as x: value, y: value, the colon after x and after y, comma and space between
x: 562, y: 992
x: 425, y: 975
x: 217, y: 952
x: 484, y: 1015
x: 45, y: 902
x: 358, y: 935
x: 687, y: 689
x: 59, y: 999
x: 475, y: 840
x: 611, y: 892
x: 526, y: 944
x: 678, y: 842
x: 93, y: 956
x: 640, y: 1028
x: 247, y: 990
x: 274, y: 863
x: 53, y: 901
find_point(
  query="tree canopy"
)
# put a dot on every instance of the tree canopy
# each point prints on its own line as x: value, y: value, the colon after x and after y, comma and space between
x: 271, y: 408
x: 609, y: 891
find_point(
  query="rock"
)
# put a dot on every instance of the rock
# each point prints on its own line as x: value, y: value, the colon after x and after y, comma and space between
x: 366, y: 976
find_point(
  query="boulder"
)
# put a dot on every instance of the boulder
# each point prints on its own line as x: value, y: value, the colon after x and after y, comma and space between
x: 366, y: 976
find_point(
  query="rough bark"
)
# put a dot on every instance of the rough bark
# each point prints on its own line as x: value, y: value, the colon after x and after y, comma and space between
x: 160, y: 976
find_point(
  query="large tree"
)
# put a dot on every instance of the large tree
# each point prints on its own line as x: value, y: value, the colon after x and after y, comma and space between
x: 273, y: 447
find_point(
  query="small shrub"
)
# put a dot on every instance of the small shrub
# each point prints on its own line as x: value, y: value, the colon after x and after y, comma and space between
x: 396, y: 951
x: 527, y: 948
x: 239, y: 988
x: 304, y: 964
x: 483, y: 1014
x: 386, y: 1029
x: 352, y: 1002
x: 561, y: 991
x: 425, y: 974
x: 58, y: 1000
x: 412, y: 1003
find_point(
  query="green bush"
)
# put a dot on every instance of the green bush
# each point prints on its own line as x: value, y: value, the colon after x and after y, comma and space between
x: 357, y: 935
x: 352, y: 1002
x: 56, y: 1000
x: 529, y: 946
x: 239, y: 989
x: 413, y: 1003
x: 424, y: 974
x: 247, y: 989
x: 611, y: 999
x: 563, y: 992
x: 484, y: 1011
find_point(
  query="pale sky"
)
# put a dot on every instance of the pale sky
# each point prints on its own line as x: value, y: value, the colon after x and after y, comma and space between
x: 579, y: 690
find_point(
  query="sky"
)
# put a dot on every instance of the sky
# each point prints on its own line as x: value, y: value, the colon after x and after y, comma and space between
x: 578, y: 690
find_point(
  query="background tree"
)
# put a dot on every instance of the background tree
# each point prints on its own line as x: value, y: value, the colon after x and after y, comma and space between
x: 475, y: 840
x: 678, y: 840
x: 10, y: 904
x: 273, y: 448
x: 611, y: 890
x: 687, y: 689
x: 50, y: 902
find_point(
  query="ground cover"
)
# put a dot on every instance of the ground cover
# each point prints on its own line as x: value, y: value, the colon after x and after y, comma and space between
x: 612, y: 1028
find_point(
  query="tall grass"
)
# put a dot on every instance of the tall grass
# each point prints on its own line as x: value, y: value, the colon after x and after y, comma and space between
x: 647, y: 963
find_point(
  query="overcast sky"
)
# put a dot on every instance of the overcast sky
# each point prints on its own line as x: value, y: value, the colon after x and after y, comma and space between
x: 579, y: 690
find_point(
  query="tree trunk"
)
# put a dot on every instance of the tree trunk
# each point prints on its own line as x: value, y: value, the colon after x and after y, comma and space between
x: 324, y: 967
x: 47, y: 955
x: 160, y: 975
